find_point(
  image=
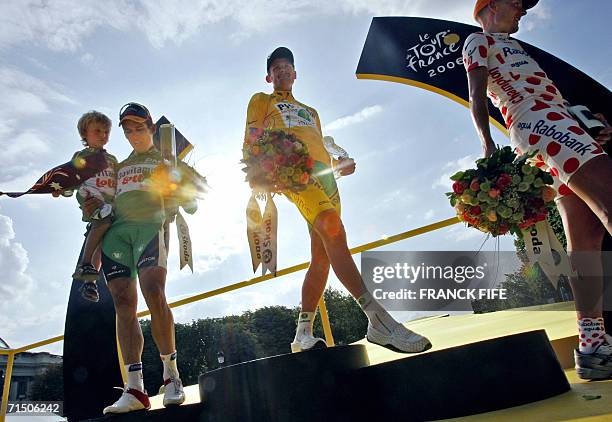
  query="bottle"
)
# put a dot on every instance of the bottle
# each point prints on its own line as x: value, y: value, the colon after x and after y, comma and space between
x: 335, y: 151
x: 587, y: 120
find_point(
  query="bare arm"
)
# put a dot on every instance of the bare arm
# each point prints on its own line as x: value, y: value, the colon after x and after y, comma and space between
x: 479, y: 107
x: 606, y: 133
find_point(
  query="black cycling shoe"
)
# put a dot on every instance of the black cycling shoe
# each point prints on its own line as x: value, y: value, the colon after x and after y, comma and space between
x: 89, y: 291
x: 86, y: 272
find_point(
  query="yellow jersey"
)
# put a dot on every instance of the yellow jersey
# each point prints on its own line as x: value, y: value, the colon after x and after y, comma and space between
x: 281, y: 111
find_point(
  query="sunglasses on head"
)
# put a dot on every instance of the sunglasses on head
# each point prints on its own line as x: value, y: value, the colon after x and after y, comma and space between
x: 134, y: 109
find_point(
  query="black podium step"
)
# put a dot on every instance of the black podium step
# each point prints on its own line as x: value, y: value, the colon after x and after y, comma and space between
x: 465, y: 380
x: 290, y: 387
x: 187, y: 413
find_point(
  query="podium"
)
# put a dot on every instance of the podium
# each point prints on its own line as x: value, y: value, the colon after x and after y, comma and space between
x: 339, y: 384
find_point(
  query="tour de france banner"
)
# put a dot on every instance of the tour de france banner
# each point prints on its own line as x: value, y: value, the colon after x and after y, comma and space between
x: 426, y: 53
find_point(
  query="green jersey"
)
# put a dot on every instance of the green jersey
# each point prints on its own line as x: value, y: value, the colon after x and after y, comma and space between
x: 134, y: 201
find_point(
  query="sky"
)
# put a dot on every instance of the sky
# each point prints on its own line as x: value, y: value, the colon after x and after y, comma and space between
x: 198, y: 63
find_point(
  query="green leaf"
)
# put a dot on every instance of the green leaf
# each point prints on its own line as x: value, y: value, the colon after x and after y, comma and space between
x: 457, y: 176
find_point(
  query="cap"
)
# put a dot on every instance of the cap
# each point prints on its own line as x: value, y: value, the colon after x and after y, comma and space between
x: 135, y: 112
x: 481, y: 4
x: 279, y: 53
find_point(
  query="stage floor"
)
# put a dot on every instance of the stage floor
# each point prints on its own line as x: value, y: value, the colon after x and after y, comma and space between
x: 559, y: 321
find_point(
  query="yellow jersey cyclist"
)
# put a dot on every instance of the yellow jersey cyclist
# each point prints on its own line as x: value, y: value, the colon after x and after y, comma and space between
x: 319, y: 204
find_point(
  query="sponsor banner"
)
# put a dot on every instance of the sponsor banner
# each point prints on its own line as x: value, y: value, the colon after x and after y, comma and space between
x: 184, y: 239
x: 543, y: 246
x: 262, y: 234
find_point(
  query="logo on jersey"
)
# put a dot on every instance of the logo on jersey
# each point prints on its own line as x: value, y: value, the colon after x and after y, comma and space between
x: 295, y: 115
x: 505, y: 85
x: 513, y: 51
x: 519, y: 64
x: 523, y: 126
x: 130, y: 178
x: 562, y: 137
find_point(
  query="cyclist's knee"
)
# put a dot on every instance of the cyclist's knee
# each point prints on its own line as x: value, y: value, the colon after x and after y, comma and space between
x: 585, y: 235
x: 328, y: 225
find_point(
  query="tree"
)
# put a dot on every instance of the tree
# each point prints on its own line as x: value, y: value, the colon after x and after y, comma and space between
x: 49, y: 386
x: 274, y: 327
x: 348, y: 322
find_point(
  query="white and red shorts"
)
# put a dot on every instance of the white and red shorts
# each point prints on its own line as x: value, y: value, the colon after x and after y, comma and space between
x: 562, y: 146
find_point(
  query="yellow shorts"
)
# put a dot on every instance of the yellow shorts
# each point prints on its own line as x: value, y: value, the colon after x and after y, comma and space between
x: 320, y: 195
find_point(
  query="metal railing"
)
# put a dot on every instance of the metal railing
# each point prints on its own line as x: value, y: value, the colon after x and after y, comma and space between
x: 216, y: 292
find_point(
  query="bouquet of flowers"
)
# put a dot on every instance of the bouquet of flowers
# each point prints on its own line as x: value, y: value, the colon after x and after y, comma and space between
x: 277, y: 161
x: 502, y: 194
x: 182, y: 183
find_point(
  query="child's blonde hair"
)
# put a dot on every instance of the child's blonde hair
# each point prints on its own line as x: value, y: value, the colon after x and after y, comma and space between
x: 90, y: 117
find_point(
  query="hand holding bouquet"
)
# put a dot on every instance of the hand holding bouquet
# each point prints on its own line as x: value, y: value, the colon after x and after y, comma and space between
x: 182, y: 185
x: 277, y: 161
x: 502, y: 194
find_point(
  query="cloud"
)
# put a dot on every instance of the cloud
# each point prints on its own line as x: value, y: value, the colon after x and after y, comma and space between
x: 461, y: 233
x: 429, y: 214
x: 60, y: 25
x: 23, y: 98
x: 355, y: 118
x: 398, y: 198
x: 25, y: 95
x: 453, y: 167
x: 63, y: 25
x: 16, y: 283
x: 535, y: 17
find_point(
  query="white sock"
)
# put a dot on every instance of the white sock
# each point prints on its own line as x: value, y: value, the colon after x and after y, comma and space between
x: 305, y: 323
x: 378, y: 316
x: 170, y: 369
x: 134, y: 376
x: 591, y: 333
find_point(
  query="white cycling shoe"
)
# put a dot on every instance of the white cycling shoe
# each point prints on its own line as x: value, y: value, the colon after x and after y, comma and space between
x: 400, y: 339
x: 174, y: 394
x: 130, y: 400
x: 307, y: 342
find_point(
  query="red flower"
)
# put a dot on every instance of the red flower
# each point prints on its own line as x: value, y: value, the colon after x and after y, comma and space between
x: 280, y: 160
x: 503, y: 181
x: 459, y: 187
x: 309, y: 162
x: 476, y: 210
x: 293, y: 159
x: 267, y: 165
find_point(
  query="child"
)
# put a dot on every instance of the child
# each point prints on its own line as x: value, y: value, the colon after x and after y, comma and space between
x: 94, y: 128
